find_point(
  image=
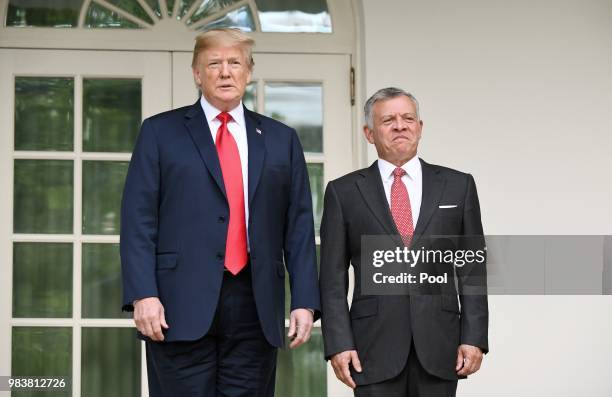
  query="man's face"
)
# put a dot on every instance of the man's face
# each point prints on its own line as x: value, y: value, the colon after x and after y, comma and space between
x: 222, y: 74
x: 396, y: 129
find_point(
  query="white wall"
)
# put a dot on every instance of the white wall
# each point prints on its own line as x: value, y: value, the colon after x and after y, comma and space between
x: 519, y: 93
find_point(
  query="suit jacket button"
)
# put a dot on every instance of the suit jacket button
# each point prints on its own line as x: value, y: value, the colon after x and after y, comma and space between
x: 221, y: 219
x: 220, y: 256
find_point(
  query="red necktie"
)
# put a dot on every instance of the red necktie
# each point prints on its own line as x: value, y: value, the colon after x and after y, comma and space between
x: 229, y: 159
x: 400, y: 207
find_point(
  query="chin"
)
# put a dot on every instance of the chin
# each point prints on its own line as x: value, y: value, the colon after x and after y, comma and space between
x: 226, y: 99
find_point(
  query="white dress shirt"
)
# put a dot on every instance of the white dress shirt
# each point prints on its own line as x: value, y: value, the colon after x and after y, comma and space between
x: 413, y: 181
x: 236, y: 127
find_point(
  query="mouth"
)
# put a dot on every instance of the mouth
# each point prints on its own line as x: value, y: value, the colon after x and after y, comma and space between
x: 225, y: 87
x: 400, y: 138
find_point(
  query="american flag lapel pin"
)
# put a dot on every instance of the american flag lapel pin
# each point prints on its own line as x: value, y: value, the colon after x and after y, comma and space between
x: 258, y: 131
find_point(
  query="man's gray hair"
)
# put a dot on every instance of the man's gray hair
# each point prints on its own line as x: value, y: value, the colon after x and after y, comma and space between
x: 383, y: 95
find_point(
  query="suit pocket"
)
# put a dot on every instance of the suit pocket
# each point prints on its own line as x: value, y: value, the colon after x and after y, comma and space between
x: 450, y: 303
x: 166, y: 261
x: 364, y: 308
x: 449, y: 212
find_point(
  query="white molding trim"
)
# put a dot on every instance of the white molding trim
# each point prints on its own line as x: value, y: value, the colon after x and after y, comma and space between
x: 66, y: 238
x: 69, y: 322
x: 175, y: 10
x: 191, y: 11
x: 197, y: 25
x: 253, y: 8
x: 82, y: 14
x: 314, y: 157
x: 149, y: 11
x: 360, y: 145
x: 96, y: 156
x: 163, y: 9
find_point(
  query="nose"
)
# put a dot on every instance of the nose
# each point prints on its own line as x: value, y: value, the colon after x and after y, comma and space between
x: 399, y: 124
x: 225, y: 69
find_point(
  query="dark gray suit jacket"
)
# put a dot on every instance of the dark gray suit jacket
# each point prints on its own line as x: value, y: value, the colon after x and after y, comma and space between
x: 380, y: 327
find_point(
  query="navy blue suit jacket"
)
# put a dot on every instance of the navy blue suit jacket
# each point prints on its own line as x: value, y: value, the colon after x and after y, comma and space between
x: 174, y: 220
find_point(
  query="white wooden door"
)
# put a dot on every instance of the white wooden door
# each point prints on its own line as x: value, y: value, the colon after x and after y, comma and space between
x: 68, y: 121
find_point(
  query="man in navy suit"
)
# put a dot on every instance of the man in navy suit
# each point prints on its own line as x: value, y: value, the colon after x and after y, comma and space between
x: 216, y: 205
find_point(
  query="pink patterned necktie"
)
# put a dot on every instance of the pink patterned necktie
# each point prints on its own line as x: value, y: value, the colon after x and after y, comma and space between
x: 229, y: 159
x: 400, y: 207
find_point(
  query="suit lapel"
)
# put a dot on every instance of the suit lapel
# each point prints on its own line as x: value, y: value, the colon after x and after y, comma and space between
x: 197, y: 125
x: 373, y: 193
x: 255, y: 140
x: 433, y: 185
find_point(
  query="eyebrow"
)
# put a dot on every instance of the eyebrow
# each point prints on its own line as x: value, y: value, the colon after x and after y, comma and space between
x: 219, y: 58
x: 384, y: 116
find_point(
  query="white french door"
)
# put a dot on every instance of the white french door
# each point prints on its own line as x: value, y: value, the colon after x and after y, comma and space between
x: 68, y: 123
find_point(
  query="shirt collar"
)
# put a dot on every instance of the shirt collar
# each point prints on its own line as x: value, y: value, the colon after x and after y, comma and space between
x: 412, y: 168
x: 212, y: 112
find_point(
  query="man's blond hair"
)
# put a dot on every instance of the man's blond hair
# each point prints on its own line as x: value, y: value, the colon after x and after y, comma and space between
x: 223, y: 37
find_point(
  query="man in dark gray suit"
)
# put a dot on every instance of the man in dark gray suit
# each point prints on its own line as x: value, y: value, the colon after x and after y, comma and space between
x: 400, y: 345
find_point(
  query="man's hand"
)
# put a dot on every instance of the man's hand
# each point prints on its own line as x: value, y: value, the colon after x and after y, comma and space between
x: 300, y: 326
x: 149, y: 318
x: 469, y: 359
x: 340, y: 363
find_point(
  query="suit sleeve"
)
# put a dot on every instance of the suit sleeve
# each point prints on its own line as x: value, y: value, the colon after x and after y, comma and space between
x: 139, y: 211
x: 299, y: 244
x: 473, y: 278
x: 336, y: 323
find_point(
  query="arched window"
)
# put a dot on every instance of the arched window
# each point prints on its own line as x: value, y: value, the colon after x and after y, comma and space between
x: 249, y: 15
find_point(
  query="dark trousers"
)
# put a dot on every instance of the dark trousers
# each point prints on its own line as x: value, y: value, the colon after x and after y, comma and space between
x: 413, y: 381
x: 233, y: 359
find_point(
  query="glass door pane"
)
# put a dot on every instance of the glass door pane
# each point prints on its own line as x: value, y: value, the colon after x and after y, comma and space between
x: 42, y: 351
x: 43, y: 191
x: 110, y: 362
x: 299, y: 105
x: 44, y: 113
x: 112, y: 112
x: 42, y: 280
x: 102, y: 187
x: 101, y: 282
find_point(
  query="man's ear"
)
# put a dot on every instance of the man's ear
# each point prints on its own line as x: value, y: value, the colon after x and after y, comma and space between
x: 368, y: 133
x: 196, y: 76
